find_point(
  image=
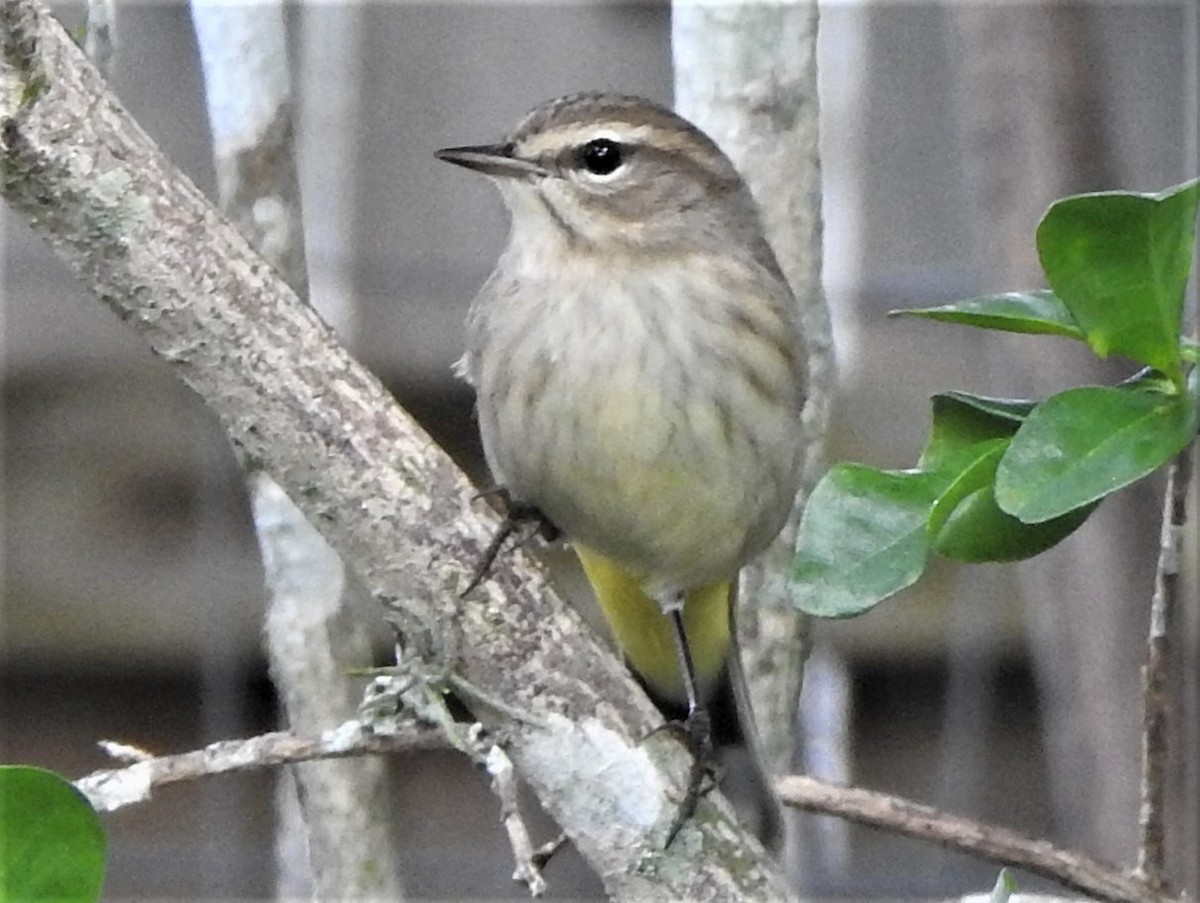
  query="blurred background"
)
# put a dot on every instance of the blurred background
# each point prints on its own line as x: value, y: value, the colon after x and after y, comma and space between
x: 132, y: 590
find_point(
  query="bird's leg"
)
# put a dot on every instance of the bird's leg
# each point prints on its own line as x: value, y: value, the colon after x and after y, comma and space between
x: 697, y: 728
x: 516, y: 515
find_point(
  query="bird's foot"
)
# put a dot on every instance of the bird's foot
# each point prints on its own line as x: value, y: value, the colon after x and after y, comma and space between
x: 695, y: 732
x: 517, y: 515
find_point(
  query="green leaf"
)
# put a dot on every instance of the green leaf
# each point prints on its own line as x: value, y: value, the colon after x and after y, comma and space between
x: 1004, y: 408
x: 962, y: 421
x: 863, y: 536
x: 1190, y: 351
x: 969, y: 435
x: 1039, y: 313
x: 974, y: 471
x: 977, y: 531
x: 51, y: 842
x: 1119, y: 261
x: 966, y: 441
x: 1084, y: 444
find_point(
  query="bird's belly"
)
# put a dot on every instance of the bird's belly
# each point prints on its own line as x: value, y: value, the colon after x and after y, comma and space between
x: 667, y: 483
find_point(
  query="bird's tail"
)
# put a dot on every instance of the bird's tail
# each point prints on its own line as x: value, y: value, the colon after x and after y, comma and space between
x: 644, y: 634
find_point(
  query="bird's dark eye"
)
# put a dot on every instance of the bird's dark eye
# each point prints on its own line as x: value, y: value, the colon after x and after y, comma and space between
x: 601, y: 156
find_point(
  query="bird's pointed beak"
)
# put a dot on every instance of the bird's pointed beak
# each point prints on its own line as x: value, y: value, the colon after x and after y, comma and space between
x: 491, y: 160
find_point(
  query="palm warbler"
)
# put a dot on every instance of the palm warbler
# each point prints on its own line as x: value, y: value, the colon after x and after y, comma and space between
x: 640, y: 374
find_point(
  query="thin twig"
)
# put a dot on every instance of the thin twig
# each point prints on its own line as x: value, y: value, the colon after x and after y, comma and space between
x: 504, y: 785
x: 1156, y: 674
x: 547, y: 851
x: 113, y: 788
x: 393, y: 688
x: 901, y: 816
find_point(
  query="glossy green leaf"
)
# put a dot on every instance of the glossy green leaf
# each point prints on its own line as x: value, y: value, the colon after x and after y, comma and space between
x: 977, y: 531
x: 961, y: 421
x: 1119, y: 261
x: 1150, y: 380
x: 965, y: 444
x: 973, y: 473
x: 1084, y: 444
x: 51, y: 842
x: 863, y: 536
x: 1014, y: 409
x: 969, y: 435
x: 1039, y: 313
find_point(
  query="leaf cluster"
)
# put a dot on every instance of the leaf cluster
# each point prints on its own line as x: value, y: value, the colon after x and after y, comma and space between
x: 1003, y: 479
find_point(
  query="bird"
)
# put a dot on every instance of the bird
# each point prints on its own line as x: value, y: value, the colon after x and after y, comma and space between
x: 639, y: 368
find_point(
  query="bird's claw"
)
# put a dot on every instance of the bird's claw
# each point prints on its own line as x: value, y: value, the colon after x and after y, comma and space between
x: 695, y: 732
x: 516, y: 515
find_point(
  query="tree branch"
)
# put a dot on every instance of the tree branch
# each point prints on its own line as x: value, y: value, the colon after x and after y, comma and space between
x: 527, y: 868
x: 139, y: 234
x: 1156, y: 673
x: 115, y: 788
x: 904, y: 817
